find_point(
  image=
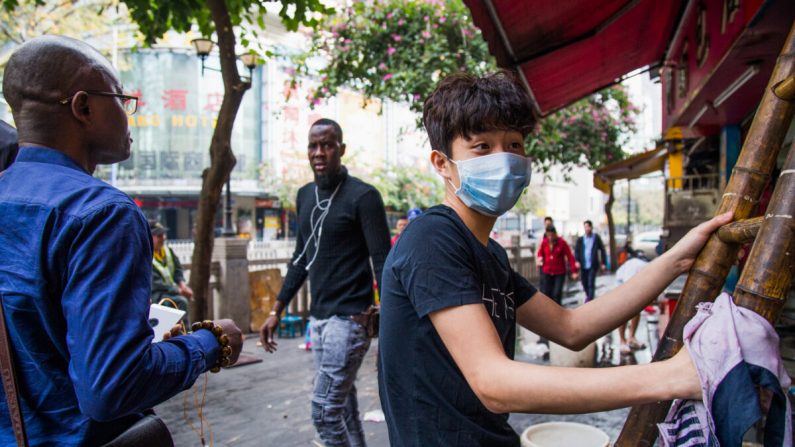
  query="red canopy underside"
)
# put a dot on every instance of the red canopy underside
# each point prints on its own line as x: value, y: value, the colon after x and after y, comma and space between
x: 568, y: 49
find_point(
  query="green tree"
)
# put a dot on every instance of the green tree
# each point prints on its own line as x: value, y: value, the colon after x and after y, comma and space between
x: 406, y: 187
x: 30, y: 19
x: 399, y: 49
x: 222, y: 18
x: 226, y: 19
x: 285, y: 184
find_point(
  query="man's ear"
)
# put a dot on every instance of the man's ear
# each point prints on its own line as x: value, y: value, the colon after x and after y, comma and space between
x: 342, y: 149
x: 440, y: 163
x: 79, y: 107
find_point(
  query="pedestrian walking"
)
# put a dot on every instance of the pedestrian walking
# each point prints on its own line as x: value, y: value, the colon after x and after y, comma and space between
x: 631, y: 267
x: 399, y: 227
x: 342, y: 227
x: 548, y: 221
x: 553, y: 256
x: 590, y: 253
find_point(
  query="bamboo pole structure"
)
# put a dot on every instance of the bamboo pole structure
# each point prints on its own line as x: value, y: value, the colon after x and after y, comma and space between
x: 749, y: 177
x: 740, y: 232
x: 767, y: 275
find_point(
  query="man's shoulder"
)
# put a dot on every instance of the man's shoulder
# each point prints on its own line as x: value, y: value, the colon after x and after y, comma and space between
x: 99, y: 194
x: 436, y: 227
x: 358, y: 185
x: 303, y: 191
x: 71, y: 191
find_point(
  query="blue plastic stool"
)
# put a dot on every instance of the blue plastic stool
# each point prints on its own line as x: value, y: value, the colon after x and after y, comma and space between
x: 289, y: 325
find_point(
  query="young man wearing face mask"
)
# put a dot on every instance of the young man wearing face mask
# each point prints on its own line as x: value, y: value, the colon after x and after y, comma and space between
x: 450, y: 300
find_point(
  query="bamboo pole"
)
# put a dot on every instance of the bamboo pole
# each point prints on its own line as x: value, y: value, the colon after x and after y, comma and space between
x: 740, y: 232
x: 786, y: 89
x: 767, y: 275
x: 709, y: 271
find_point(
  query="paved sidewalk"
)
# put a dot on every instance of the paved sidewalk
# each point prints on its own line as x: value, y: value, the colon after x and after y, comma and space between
x: 267, y: 403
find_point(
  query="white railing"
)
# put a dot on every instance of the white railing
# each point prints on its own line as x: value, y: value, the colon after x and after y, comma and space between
x: 257, y: 250
x: 270, y: 250
x: 263, y: 255
x: 183, y: 248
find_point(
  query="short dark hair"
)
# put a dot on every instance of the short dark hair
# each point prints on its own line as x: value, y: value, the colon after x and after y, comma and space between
x: 463, y: 104
x: 332, y: 123
x: 548, y: 218
x: 590, y: 224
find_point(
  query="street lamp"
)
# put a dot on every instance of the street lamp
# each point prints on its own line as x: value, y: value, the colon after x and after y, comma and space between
x: 250, y: 61
x: 203, y: 49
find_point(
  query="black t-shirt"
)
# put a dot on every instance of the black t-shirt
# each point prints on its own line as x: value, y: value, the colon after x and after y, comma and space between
x: 438, y: 263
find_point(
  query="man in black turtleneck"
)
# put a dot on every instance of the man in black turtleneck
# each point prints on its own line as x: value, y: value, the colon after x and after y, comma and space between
x: 341, y: 227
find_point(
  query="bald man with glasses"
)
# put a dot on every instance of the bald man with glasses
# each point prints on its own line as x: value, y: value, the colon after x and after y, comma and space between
x: 76, y: 260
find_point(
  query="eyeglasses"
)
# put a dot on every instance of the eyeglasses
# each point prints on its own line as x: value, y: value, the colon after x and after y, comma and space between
x: 129, y: 103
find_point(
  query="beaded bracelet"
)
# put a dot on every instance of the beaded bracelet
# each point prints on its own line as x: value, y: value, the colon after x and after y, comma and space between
x: 223, y: 341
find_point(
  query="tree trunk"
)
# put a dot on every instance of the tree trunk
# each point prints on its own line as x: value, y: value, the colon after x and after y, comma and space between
x: 749, y: 178
x: 222, y: 159
x: 611, y: 230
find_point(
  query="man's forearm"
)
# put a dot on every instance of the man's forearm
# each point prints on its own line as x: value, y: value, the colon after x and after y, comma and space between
x: 596, y: 318
x: 278, y: 308
x: 526, y: 388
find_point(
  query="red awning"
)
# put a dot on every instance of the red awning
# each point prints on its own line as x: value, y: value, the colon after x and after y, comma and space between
x: 568, y: 49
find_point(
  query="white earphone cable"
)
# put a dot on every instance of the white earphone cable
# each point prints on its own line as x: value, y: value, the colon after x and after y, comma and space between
x: 317, y: 227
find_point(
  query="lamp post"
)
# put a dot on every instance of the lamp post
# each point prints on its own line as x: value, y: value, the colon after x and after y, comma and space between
x: 250, y: 61
x: 203, y: 49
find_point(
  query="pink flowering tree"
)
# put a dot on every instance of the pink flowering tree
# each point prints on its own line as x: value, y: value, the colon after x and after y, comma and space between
x: 400, y: 49
x: 394, y: 49
x: 590, y: 132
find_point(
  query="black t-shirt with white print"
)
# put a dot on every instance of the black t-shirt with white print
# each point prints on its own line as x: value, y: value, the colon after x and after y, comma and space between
x: 438, y: 263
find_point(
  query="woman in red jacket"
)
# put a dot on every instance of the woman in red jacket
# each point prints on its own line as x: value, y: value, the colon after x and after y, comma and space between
x: 552, y: 256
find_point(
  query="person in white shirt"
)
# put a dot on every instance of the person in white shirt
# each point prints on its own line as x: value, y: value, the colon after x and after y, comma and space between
x: 628, y: 269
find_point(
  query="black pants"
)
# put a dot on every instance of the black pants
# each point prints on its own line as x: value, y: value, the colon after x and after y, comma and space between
x: 588, y: 279
x: 552, y: 286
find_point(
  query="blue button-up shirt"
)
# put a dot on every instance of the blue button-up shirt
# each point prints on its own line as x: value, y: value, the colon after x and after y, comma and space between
x: 75, y: 274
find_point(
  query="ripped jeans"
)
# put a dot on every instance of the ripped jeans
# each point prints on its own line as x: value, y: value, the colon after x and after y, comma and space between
x: 338, y: 348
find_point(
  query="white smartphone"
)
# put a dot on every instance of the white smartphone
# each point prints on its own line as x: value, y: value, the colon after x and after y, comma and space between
x: 162, y: 319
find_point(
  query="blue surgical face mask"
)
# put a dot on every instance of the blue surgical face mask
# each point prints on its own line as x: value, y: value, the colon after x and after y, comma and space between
x: 492, y: 184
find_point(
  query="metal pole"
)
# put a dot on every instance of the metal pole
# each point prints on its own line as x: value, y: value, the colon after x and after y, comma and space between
x: 629, y: 208
x: 228, y: 230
